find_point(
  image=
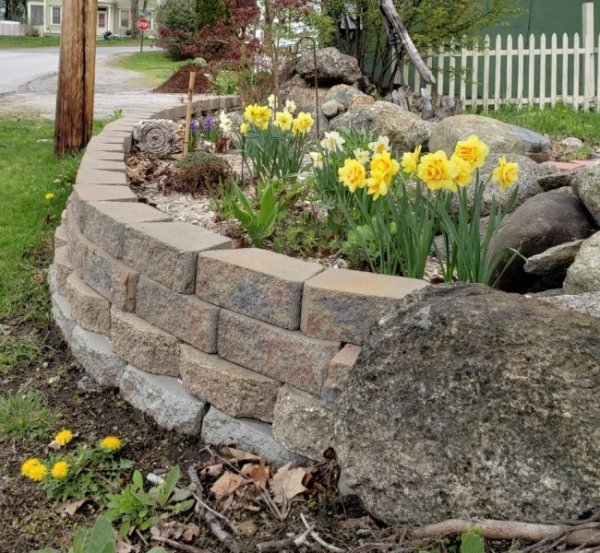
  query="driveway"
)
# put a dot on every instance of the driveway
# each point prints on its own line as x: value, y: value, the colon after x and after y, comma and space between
x: 28, y: 81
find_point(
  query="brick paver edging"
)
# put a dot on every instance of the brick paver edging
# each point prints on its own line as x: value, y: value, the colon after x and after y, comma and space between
x: 244, y: 346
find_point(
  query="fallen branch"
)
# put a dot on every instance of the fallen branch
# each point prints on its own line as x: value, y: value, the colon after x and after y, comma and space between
x: 507, y: 529
x: 209, y: 516
x: 180, y: 546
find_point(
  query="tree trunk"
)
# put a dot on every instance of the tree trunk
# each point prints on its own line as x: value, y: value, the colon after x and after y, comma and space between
x: 135, y: 14
x: 76, y: 73
x: 397, y: 32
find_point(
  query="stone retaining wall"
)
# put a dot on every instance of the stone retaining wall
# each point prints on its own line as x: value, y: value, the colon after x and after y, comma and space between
x: 245, y: 346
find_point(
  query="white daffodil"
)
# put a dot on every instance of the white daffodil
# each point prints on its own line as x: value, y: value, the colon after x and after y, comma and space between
x: 317, y: 159
x: 224, y: 122
x: 272, y: 101
x: 382, y: 144
x: 290, y: 106
x: 362, y: 156
x: 332, y: 141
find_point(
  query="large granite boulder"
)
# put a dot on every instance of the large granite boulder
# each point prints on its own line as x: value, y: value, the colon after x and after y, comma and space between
x: 333, y: 67
x: 405, y: 130
x: 586, y: 184
x: 546, y: 220
x: 346, y: 95
x: 499, y: 136
x: 584, y: 274
x: 470, y: 402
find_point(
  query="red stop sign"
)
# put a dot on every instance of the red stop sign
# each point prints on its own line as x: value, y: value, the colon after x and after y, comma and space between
x: 142, y: 24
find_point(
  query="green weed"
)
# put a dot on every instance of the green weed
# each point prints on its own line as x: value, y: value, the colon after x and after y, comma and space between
x: 24, y: 416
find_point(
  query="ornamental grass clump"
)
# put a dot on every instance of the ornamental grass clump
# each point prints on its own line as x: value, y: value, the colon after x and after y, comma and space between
x: 272, y: 142
x: 395, y: 214
x: 84, y: 470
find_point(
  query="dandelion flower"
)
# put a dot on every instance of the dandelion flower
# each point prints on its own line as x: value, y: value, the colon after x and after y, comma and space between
x: 34, y: 469
x: 49, y: 196
x: 317, y: 159
x: 472, y: 150
x: 352, y: 175
x: 28, y: 465
x: 506, y: 173
x: 63, y: 437
x: 382, y: 144
x: 410, y: 161
x: 60, y: 470
x: 110, y: 443
x: 333, y: 141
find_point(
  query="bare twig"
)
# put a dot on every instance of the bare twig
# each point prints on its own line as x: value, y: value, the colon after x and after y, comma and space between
x: 319, y: 539
x: 209, y: 516
x: 277, y: 545
x: 180, y: 546
x: 588, y: 534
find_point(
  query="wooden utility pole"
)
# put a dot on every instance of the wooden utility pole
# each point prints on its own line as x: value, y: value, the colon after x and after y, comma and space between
x: 76, y: 74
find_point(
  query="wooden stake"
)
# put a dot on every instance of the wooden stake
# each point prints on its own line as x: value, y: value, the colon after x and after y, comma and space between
x: 76, y: 74
x: 188, y: 113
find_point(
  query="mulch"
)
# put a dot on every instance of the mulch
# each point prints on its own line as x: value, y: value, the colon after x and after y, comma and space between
x: 179, y: 82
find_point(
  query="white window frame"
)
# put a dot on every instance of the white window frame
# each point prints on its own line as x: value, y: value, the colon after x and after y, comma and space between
x: 128, y: 12
x: 31, y: 5
x: 52, y: 13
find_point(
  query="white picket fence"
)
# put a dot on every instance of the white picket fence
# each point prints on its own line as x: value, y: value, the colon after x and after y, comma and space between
x: 522, y: 72
x: 11, y: 28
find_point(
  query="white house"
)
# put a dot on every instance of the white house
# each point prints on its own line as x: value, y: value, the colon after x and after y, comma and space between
x: 114, y: 16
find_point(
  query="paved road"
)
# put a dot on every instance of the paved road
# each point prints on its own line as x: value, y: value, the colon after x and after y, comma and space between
x: 28, y: 81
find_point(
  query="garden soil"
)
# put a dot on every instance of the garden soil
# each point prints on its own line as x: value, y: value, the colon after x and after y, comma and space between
x: 179, y: 82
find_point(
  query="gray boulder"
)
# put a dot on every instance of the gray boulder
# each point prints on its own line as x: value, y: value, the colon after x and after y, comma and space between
x: 333, y: 67
x: 584, y: 303
x: 331, y: 108
x: 587, y: 186
x: 584, y: 274
x: 345, y: 95
x: 470, y: 402
x: 546, y: 220
x: 405, y: 130
x: 552, y: 264
x: 499, y: 136
x: 305, y: 99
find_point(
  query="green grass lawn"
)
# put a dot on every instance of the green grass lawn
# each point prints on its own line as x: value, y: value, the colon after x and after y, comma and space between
x: 28, y: 171
x: 155, y: 65
x: 558, y: 122
x: 46, y: 41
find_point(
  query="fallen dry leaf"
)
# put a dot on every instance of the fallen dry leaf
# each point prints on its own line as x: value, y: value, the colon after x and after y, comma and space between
x: 238, y: 454
x: 287, y: 483
x: 227, y: 484
x: 69, y: 508
x: 259, y: 474
x: 212, y: 470
x: 124, y: 547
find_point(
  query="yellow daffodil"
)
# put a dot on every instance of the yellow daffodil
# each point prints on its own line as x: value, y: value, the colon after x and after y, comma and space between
x: 436, y: 171
x: 382, y: 144
x: 290, y: 106
x: 284, y: 120
x: 259, y: 116
x: 244, y: 128
x: 472, y: 150
x: 302, y: 123
x: 362, y: 156
x: 333, y: 141
x: 464, y: 171
x: 63, y: 437
x: 377, y: 186
x: 110, y: 443
x: 410, y: 161
x: 352, y: 174
x: 384, y: 164
x: 49, y: 196
x: 60, y: 470
x: 506, y: 173
x: 317, y: 159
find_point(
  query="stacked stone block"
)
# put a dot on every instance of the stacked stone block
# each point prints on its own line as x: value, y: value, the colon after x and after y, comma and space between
x: 244, y: 346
